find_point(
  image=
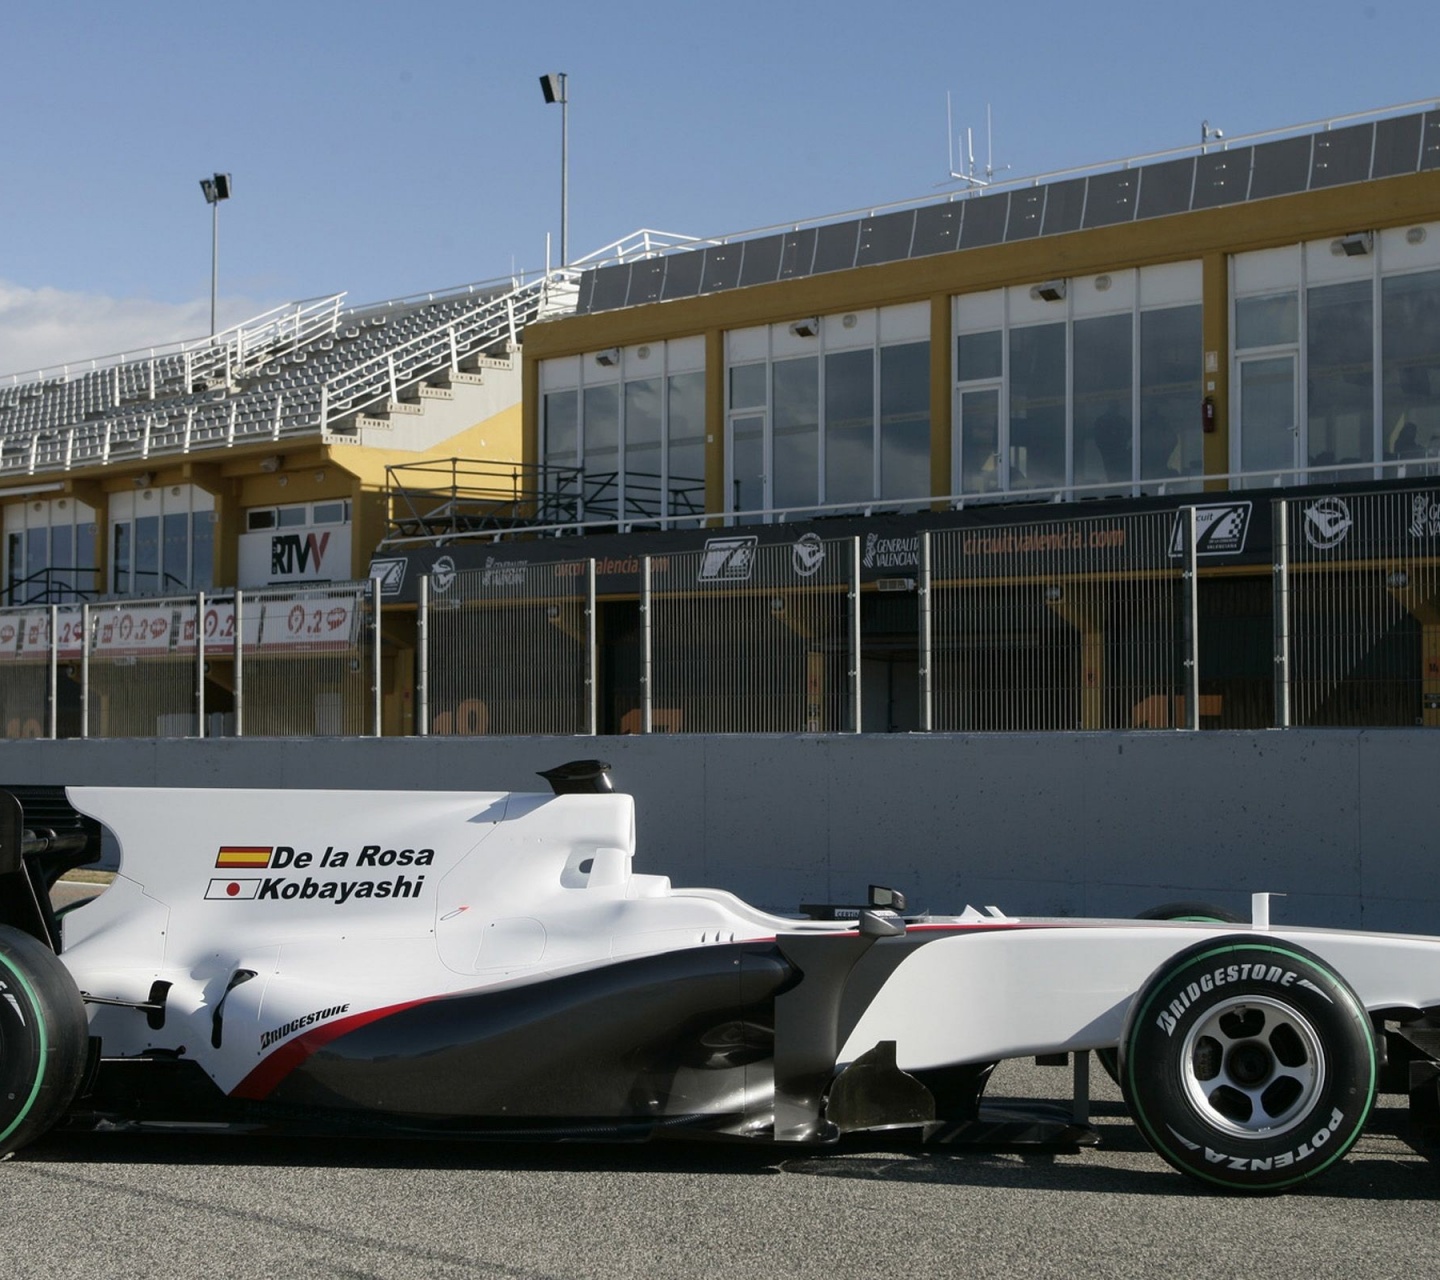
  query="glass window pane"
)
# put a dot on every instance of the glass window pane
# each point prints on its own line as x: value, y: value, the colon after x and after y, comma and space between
x: 1267, y: 414
x: 1037, y: 407
x: 263, y: 518
x: 600, y: 436
x: 292, y: 517
x: 561, y: 433
x: 978, y: 355
x: 642, y: 447
x: 1171, y: 430
x: 1339, y: 337
x: 796, y: 432
x: 62, y: 559
x: 1267, y: 321
x: 37, y: 561
x: 905, y: 421
x: 747, y: 386
x: 85, y: 570
x: 147, y: 555
x: 747, y: 463
x: 14, y: 566
x: 329, y: 513
x: 686, y: 432
x: 177, y: 550
x: 850, y: 426
x: 202, y: 574
x: 1104, y: 433
x: 120, y: 542
x: 1410, y: 355
x: 979, y: 441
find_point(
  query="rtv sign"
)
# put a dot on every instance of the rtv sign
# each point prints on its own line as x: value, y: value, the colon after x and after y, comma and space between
x: 300, y: 554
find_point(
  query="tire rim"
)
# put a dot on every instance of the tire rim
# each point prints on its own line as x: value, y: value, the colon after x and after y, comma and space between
x: 1253, y: 1068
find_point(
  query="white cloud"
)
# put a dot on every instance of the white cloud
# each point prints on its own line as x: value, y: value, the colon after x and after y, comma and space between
x: 42, y: 328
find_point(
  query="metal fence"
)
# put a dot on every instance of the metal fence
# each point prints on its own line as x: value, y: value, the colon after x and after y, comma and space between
x: 297, y: 661
x: 1089, y: 623
x: 508, y: 649
x: 745, y: 638
x: 1358, y: 609
x: 1059, y: 625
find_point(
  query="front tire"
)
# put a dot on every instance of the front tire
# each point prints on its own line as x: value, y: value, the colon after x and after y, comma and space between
x: 44, y: 1038
x: 1248, y: 1064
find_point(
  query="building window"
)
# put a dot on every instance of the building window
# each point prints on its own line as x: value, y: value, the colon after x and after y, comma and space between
x: 162, y: 541
x: 1102, y: 399
x: 623, y: 434
x: 829, y: 416
x: 50, y: 552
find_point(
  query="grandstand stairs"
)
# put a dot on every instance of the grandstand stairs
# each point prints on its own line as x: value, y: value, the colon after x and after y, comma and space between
x: 433, y: 410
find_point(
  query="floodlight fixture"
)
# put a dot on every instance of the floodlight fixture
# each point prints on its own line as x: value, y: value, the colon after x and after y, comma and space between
x: 554, y: 88
x: 215, y: 188
x: 1356, y: 245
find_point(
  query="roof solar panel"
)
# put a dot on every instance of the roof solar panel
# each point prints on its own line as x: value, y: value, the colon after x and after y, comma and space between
x: 1027, y: 214
x: 937, y: 228
x: 984, y: 220
x: 761, y: 263
x: 835, y: 247
x: 1342, y: 155
x: 797, y: 255
x: 1333, y: 157
x: 1280, y: 168
x: 885, y: 238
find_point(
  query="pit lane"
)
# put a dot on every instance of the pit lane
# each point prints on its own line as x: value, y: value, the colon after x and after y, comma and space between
x: 167, y: 1206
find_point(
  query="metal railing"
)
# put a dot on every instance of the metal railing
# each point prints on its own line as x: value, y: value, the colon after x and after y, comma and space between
x: 295, y: 661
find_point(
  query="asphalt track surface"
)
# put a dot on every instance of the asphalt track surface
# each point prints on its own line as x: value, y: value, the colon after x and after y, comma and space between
x: 101, y: 1205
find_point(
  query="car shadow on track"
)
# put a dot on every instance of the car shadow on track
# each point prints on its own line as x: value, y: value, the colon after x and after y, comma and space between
x: 1380, y: 1168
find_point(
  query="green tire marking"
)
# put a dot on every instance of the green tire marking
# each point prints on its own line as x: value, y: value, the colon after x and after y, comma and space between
x: 29, y: 1106
x: 1369, y: 1049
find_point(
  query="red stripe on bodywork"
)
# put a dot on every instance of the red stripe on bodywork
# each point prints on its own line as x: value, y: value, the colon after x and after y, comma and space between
x: 270, y: 1071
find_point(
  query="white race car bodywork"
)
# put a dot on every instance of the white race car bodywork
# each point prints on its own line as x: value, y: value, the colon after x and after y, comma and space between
x: 489, y: 962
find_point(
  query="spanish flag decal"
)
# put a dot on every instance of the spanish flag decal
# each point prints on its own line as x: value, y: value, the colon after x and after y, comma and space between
x: 238, y: 857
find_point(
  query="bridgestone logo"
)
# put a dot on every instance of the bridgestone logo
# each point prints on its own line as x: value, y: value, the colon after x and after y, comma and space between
x: 1169, y: 1017
x: 289, y: 1028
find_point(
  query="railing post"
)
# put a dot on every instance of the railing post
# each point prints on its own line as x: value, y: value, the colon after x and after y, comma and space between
x: 927, y: 692
x: 239, y: 642
x: 1280, y: 542
x: 855, y: 635
x: 646, y: 653
x: 376, y: 668
x: 84, y: 670
x: 592, y: 683
x: 199, y: 664
x: 52, y: 716
x: 422, y: 657
x: 1192, y: 624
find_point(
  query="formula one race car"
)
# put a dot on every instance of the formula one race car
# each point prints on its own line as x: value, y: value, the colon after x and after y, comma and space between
x: 488, y: 965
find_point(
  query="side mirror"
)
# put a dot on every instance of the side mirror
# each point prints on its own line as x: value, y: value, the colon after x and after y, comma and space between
x: 884, y: 897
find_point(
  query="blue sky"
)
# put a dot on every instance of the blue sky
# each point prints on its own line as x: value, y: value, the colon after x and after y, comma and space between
x: 387, y: 149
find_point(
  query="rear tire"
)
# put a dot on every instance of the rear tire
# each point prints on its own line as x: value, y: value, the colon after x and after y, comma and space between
x: 44, y: 1038
x: 1248, y: 1064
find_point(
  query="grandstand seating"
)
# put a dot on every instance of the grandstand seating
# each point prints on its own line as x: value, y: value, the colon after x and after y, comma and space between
x: 304, y: 370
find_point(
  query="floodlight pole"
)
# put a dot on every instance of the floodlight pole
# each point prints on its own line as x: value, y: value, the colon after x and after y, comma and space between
x: 553, y: 87
x: 216, y: 189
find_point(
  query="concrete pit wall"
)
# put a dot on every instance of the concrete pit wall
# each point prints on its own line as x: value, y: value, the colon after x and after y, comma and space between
x: 1342, y: 821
